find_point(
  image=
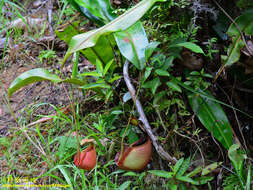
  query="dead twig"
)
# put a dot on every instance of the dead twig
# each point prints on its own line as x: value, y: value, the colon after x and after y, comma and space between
x: 162, y: 153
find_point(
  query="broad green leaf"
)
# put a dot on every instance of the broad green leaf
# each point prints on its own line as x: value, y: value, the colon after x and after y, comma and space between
x: 161, y: 72
x: 89, y: 39
x: 161, y: 173
x: 153, y: 84
x: 244, y: 22
x: 84, y: 11
x: 132, y: 43
x: 212, y: 116
x: 95, y: 85
x: 237, y: 158
x: 174, y: 86
x: 99, y: 8
x: 208, y: 169
x: 32, y: 76
x: 102, y: 50
x: 191, y: 46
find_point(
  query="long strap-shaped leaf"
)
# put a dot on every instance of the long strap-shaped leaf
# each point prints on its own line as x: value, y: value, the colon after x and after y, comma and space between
x: 124, y: 21
x: 212, y: 116
x: 36, y: 75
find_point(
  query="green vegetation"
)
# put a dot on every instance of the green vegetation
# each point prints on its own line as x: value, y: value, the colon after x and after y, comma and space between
x: 74, y: 110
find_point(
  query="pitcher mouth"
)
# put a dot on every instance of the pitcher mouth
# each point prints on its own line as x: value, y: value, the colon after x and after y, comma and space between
x: 138, y: 152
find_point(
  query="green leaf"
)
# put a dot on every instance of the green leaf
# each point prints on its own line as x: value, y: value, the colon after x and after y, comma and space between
x: 146, y: 74
x: 237, y: 158
x: 191, y: 46
x: 32, y: 76
x: 174, y: 86
x: 178, y: 165
x: 161, y: 72
x: 234, y: 52
x: 183, y: 167
x: 161, y: 173
x: 150, y: 49
x: 117, y: 112
x: 91, y: 73
x: 102, y: 50
x: 84, y: 11
x: 132, y: 43
x: 244, y: 22
x: 107, y: 67
x: 116, y: 77
x: 205, y: 95
x: 210, y: 168
x: 248, y: 179
x: 130, y: 174
x: 95, y: 85
x: 89, y: 39
x: 187, y: 179
x: 203, y: 180
x: 125, y: 185
x: 132, y: 136
x: 153, y: 85
x: 194, y: 172
x: 212, y: 116
x: 65, y: 174
x: 99, y: 67
x: 99, y: 8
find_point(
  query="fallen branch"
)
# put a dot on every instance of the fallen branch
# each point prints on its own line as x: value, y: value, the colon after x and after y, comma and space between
x: 162, y: 153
